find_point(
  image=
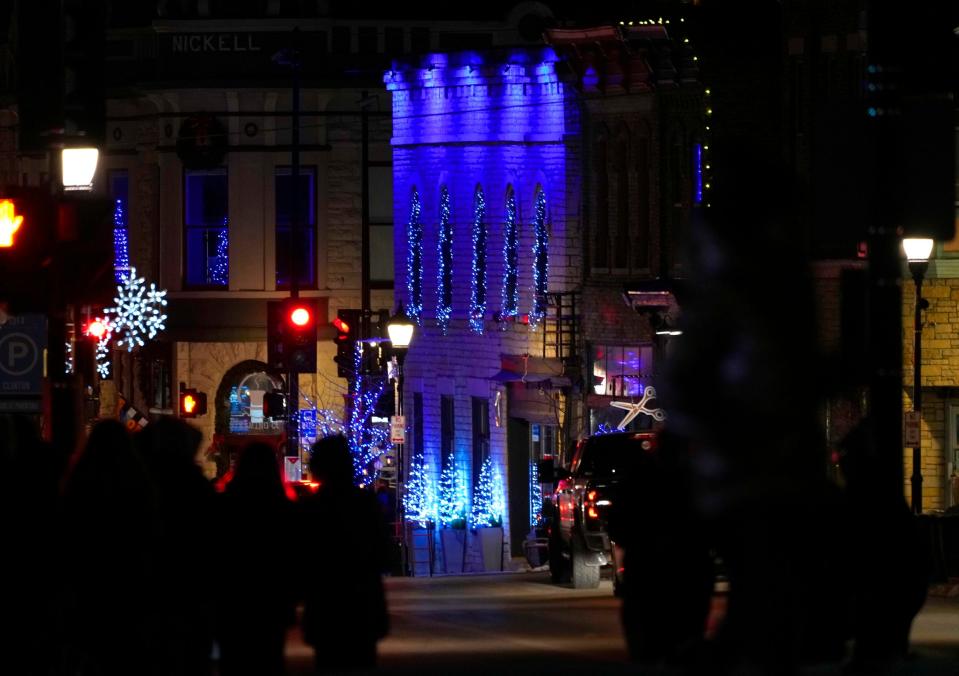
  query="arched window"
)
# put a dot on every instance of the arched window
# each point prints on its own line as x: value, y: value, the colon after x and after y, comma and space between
x: 444, y: 263
x: 510, y: 260
x: 540, y: 255
x: 414, y: 260
x: 478, y: 286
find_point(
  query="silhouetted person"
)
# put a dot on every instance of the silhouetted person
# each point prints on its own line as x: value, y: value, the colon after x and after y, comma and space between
x: 889, y: 557
x: 345, y: 551
x: 255, y: 604
x: 182, y: 643
x: 668, y: 571
x: 109, y: 538
x: 29, y: 595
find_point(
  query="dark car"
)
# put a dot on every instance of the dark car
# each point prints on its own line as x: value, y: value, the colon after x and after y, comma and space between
x: 579, y: 542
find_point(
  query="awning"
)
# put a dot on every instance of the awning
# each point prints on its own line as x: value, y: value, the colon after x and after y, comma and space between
x: 526, y: 369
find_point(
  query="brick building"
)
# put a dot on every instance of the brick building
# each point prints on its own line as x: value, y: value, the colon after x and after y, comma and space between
x: 530, y: 184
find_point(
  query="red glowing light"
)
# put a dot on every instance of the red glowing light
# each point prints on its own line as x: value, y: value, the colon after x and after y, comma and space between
x: 300, y: 316
x: 341, y: 326
x: 96, y: 329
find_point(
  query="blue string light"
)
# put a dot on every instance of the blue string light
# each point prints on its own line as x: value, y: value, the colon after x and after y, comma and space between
x: 414, y: 261
x: 535, y: 496
x: 419, y: 502
x: 510, y: 258
x: 488, y: 502
x: 478, y: 295
x: 121, y: 242
x: 453, y: 497
x: 540, y: 258
x: 366, y: 440
x: 444, y: 266
x: 220, y: 272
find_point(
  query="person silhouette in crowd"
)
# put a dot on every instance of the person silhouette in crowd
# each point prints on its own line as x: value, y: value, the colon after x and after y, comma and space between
x: 255, y: 605
x: 29, y: 482
x: 345, y: 553
x: 182, y: 643
x: 888, y: 554
x: 668, y: 574
x: 109, y: 540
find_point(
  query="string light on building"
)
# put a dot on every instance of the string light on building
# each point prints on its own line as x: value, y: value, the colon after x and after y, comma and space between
x: 510, y: 256
x: 138, y: 313
x: 414, y: 261
x: 444, y: 263
x: 365, y: 438
x: 220, y: 270
x: 540, y: 259
x: 121, y: 242
x: 535, y: 496
x: 478, y: 287
x: 453, y: 497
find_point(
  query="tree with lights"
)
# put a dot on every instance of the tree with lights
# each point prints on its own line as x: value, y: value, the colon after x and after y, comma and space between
x: 419, y: 503
x: 488, y: 504
x: 366, y: 439
x: 453, y: 498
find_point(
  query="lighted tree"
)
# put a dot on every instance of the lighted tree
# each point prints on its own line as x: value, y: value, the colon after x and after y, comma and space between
x: 478, y: 287
x: 453, y: 497
x: 419, y: 503
x: 366, y: 439
x: 121, y: 242
x: 535, y: 495
x: 510, y: 256
x: 488, y: 496
x: 444, y: 263
x: 540, y: 258
x: 414, y: 261
x: 220, y: 270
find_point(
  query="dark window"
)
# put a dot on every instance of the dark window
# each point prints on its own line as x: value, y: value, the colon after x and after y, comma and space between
x: 393, y: 40
x: 456, y: 41
x: 418, y: 423
x: 341, y: 39
x: 381, y: 224
x: 641, y: 240
x: 119, y: 192
x: 304, y: 238
x: 366, y: 40
x: 420, y: 39
x: 621, y: 251
x: 601, y: 241
x: 207, y: 231
x: 480, y: 435
x: 447, y: 425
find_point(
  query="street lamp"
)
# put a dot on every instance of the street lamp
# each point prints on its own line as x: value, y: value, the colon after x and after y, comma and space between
x: 917, y: 255
x: 400, y: 328
x: 78, y: 165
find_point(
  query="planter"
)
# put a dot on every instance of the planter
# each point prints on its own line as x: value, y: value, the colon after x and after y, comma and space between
x: 454, y: 549
x: 491, y: 545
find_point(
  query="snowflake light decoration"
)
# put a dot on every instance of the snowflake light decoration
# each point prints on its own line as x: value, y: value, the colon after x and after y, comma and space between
x: 138, y: 311
x: 102, y: 353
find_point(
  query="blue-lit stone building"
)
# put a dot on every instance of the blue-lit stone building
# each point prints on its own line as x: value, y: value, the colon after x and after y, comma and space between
x: 527, y: 189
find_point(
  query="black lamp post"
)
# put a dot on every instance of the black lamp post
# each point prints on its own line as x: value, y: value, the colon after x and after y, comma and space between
x: 917, y: 254
x: 400, y: 328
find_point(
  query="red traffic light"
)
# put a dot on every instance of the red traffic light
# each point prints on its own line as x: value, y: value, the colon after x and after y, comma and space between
x: 341, y: 326
x: 96, y: 329
x: 300, y: 315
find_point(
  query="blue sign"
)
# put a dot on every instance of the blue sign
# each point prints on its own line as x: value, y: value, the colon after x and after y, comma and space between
x: 307, y: 423
x: 23, y: 340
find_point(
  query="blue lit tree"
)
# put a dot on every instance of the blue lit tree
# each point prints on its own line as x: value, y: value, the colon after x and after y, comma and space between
x: 510, y: 258
x: 540, y: 258
x: 414, y: 261
x: 366, y: 439
x: 478, y: 287
x: 419, y: 503
x: 488, y: 503
x: 535, y: 496
x: 453, y: 498
x: 444, y: 263
x: 121, y: 242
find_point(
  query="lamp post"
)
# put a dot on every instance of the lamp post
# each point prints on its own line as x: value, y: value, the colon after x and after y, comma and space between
x: 917, y: 255
x: 400, y: 329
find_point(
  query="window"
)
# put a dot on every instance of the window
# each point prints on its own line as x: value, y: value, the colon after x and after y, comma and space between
x: 302, y: 242
x: 621, y: 167
x: 341, y: 39
x: 510, y: 257
x: 601, y: 239
x: 621, y: 371
x: 641, y: 237
x: 447, y: 426
x: 207, y: 231
x: 366, y: 39
x: 540, y: 255
x: 414, y: 259
x: 418, y: 424
x: 480, y: 435
x: 381, y: 225
x: 119, y: 191
x: 393, y: 40
x: 420, y: 39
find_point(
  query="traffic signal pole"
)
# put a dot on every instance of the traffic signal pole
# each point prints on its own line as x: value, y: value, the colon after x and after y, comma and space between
x: 293, y: 379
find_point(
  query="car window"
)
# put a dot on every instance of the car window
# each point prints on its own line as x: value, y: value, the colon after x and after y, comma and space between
x: 608, y: 455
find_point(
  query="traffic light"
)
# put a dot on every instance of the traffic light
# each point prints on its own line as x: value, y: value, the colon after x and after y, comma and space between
x: 192, y: 403
x: 291, y: 335
x: 274, y: 405
x: 347, y: 325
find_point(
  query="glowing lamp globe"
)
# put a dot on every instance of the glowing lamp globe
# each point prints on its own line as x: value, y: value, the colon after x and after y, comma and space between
x: 917, y: 249
x: 78, y: 166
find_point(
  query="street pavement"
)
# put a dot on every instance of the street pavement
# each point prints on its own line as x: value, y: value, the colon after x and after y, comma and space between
x: 519, y: 623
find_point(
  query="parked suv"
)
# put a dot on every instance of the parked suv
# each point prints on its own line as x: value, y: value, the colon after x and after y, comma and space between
x: 579, y: 543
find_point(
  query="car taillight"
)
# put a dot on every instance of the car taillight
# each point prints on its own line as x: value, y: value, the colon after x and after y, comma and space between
x: 591, y: 510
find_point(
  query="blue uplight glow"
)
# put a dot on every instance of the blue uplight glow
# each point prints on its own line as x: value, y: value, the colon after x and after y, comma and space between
x: 698, y: 171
